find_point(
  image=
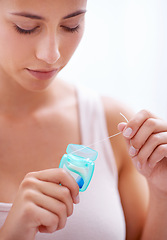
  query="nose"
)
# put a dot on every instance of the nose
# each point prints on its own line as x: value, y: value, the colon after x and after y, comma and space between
x: 48, y: 49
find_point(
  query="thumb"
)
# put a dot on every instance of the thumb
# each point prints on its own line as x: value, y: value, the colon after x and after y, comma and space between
x: 121, y: 126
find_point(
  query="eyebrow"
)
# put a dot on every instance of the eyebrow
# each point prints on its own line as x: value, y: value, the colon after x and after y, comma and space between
x: 32, y: 16
x: 75, y: 14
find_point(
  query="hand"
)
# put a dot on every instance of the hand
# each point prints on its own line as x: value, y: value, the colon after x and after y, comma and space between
x: 146, y: 136
x: 41, y: 204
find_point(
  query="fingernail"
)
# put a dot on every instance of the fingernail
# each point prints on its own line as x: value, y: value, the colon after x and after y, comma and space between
x: 127, y: 132
x: 139, y: 165
x: 77, y: 199
x: 132, y: 151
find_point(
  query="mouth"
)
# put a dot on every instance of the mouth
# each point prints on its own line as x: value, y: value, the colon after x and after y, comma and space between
x: 42, y: 74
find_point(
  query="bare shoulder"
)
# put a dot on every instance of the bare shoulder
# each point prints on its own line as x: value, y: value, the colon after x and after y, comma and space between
x: 113, y: 108
x: 131, y: 184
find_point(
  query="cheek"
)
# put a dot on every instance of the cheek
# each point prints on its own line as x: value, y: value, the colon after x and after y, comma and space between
x: 69, y: 45
x: 13, y: 46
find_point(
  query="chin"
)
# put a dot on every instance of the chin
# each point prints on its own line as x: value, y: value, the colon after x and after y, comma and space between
x: 37, y: 86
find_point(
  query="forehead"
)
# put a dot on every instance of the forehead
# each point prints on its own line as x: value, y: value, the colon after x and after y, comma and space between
x: 44, y: 8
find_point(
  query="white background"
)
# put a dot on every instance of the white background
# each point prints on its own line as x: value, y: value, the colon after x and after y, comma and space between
x: 123, y: 52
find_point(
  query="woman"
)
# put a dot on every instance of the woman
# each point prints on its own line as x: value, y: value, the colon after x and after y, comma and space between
x: 40, y: 115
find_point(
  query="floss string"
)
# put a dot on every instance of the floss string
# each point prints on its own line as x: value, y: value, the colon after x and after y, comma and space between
x: 116, y: 134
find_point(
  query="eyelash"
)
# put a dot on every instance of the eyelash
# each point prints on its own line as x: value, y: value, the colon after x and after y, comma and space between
x: 71, y: 30
x: 23, y: 31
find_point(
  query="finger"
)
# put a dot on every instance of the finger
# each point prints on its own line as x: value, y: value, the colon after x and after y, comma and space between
x: 154, y: 141
x: 45, y: 229
x: 159, y: 154
x: 41, y: 217
x: 48, y: 221
x: 59, y: 176
x: 135, y: 123
x: 143, y: 169
x: 58, y: 192
x: 149, y: 127
x: 121, y: 126
x: 50, y: 189
x: 51, y: 205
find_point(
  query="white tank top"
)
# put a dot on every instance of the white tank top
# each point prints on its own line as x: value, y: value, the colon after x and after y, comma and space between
x: 99, y: 214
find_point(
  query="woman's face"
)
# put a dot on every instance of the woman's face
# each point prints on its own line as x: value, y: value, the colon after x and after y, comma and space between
x: 37, y: 39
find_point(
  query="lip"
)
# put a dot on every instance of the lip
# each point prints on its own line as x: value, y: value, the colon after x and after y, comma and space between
x: 42, y: 74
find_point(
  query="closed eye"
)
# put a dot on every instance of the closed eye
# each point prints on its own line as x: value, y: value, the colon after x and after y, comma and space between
x: 72, y: 30
x: 25, y: 31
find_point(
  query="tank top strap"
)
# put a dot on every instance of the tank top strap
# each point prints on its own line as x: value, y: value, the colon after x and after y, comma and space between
x: 93, y: 125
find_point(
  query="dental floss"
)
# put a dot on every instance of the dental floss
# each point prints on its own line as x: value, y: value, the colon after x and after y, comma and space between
x: 124, y: 117
x: 81, y: 167
x: 102, y: 139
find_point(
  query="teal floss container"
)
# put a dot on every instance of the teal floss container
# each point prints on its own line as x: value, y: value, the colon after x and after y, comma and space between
x: 79, y: 162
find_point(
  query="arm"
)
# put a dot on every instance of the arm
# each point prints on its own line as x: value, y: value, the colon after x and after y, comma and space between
x: 147, y: 142
x: 155, y: 226
x: 134, y: 197
x: 132, y: 185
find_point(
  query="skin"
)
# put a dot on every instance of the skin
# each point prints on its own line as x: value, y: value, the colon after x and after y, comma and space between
x: 42, y: 114
x: 146, y: 138
x: 36, y: 109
